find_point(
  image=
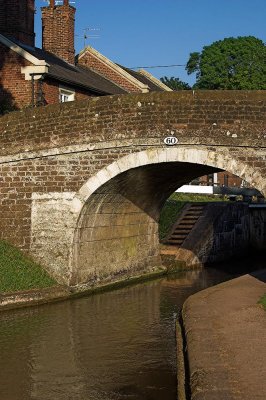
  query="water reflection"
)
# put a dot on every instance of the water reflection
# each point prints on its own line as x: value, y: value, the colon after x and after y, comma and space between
x: 111, y: 346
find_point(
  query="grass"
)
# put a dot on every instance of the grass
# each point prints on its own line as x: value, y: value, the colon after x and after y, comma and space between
x: 169, y: 215
x: 194, y: 198
x: 174, y: 206
x: 18, y: 272
x: 262, y: 301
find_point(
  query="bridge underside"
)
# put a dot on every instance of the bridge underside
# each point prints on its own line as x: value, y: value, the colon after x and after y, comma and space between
x: 118, y: 227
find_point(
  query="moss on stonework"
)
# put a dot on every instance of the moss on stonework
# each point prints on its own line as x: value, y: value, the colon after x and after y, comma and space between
x: 18, y: 272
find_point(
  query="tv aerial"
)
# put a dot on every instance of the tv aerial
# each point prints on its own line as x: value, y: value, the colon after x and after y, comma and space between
x: 89, y: 33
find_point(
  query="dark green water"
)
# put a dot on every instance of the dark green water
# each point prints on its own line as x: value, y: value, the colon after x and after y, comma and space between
x: 110, y: 346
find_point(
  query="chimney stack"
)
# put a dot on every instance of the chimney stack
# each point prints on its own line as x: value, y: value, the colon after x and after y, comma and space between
x: 58, y: 24
x: 17, y: 20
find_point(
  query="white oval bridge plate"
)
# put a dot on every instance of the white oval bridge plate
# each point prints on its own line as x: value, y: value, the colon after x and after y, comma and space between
x: 170, y: 140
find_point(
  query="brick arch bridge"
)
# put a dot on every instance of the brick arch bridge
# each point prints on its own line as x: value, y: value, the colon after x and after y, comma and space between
x: 82, y: 184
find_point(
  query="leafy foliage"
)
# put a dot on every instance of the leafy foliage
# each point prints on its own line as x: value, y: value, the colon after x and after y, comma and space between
x: 175, y: 83
x: 263, y: 301
x: 233, y: 63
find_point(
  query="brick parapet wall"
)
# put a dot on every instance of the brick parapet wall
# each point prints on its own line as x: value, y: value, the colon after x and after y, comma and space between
x: 225, y: 118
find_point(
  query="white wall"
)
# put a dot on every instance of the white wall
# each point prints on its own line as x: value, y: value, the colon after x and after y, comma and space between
x: 195, y: 189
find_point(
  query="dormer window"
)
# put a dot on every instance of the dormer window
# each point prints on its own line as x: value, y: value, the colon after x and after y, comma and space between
x: 66, y: 95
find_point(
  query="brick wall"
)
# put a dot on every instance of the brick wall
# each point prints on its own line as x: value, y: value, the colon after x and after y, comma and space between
x: 17, y: 20
x: 223, y: 179
x: 13, y: 87
x: 82, y: 94
x: 90, y: 60
x: 51, y: 91
x: 228, y: 179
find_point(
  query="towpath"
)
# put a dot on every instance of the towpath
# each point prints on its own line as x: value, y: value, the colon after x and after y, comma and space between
x: 226, y: 340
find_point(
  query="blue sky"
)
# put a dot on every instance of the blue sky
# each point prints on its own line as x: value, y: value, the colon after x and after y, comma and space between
x: 156, y: 32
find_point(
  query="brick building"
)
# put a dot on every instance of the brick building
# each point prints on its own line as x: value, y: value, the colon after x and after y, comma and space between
x: 31, y: 76
x: 131, y: 81
x: 223, y: 178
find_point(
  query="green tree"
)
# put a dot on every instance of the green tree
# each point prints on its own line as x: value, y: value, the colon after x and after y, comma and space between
x: 175, y: 83
x: 232, y: 63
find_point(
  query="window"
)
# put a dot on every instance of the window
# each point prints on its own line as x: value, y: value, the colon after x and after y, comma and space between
x: 66, y: 95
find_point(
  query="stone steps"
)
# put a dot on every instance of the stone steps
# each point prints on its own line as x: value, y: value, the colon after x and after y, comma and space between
x: 185, y: 225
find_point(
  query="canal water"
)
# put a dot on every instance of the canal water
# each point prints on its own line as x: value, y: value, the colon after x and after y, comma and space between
x: 111, y: 346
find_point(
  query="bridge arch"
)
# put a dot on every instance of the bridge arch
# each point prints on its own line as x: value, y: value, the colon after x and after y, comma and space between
x: 192, y: 155
x: 118, y: 208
